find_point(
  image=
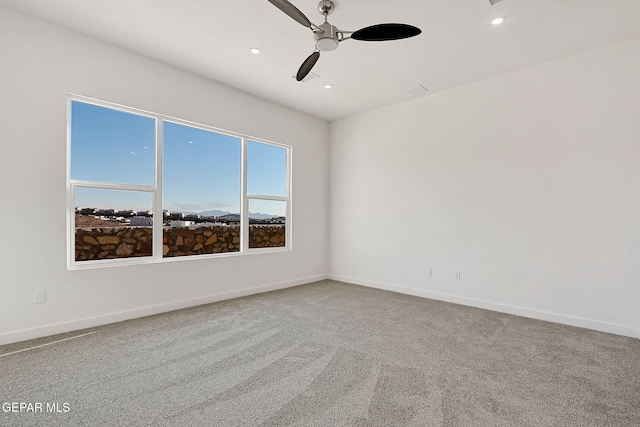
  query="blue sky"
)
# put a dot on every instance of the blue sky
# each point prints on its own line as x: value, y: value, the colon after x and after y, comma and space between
x: 201, y: 168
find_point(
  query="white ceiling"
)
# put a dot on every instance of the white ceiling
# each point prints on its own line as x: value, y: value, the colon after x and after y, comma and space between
x: 458, y: 45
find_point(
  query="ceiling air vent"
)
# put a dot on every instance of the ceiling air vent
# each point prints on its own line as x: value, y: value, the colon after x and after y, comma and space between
x: 417, y: 91
x: 308, y: 77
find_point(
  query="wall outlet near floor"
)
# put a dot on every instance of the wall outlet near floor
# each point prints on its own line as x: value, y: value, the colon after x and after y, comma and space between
x: 457, y: 276
x: 429, y: 272
x: 39, y: 296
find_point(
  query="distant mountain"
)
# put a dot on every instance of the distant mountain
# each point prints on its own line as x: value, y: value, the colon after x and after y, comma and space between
x: 258, y: 215
x: 235, y: 217
x: 217, y: 212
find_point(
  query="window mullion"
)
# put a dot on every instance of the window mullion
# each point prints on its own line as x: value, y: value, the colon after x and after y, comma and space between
x: 244, y: 208
x: 71, y: 224
x: 266, y: 197
x: 112, y: 186
x: 289, y: 192
x: 158, y: 214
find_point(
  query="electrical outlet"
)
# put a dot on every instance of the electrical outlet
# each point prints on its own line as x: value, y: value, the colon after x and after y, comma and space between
x: 458, y: 276
x: 429, y: 272
x: 39, y: 296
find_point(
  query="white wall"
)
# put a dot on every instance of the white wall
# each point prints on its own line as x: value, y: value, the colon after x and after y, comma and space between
x: 40, y: 64
x: 528, y: 184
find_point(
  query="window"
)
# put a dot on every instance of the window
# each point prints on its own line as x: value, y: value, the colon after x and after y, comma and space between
x: 267, y: 194
x: 201, y: 191
x: 145, y: 188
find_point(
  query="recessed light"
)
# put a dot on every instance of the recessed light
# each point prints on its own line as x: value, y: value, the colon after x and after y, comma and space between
x: 328, y: 86
x: 255, y: 50
x: 499, y: 20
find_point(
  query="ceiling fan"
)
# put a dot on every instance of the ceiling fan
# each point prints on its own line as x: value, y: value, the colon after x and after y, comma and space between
x: 328, y: 37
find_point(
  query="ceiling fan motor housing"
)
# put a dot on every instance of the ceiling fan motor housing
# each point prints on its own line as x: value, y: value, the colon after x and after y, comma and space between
x: 326, y: 7
x: 328, y: 40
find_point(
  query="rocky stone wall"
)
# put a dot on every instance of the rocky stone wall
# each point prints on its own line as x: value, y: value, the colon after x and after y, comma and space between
x: 112, y: 242
x: 267, y: 236
x: 128, y: 242
x: 181, y: 241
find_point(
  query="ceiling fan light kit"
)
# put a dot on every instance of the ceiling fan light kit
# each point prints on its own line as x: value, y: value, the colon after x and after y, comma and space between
x: 328, y: 37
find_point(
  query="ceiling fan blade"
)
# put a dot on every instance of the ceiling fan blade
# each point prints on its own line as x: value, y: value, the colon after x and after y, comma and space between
x: 292, y: 11
x: 307, y: 65
x: 382, y: 32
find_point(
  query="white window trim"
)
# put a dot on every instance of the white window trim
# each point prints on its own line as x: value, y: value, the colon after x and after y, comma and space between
x: 156, y: 192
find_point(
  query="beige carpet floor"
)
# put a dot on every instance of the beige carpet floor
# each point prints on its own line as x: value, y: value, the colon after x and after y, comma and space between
x: 325, y: 354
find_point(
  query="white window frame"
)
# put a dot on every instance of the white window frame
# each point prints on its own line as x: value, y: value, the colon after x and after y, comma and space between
x: 156, y: 192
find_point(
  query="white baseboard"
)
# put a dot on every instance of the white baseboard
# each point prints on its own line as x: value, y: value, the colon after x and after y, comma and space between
x: 90, y: 322
x: 564, y: 319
